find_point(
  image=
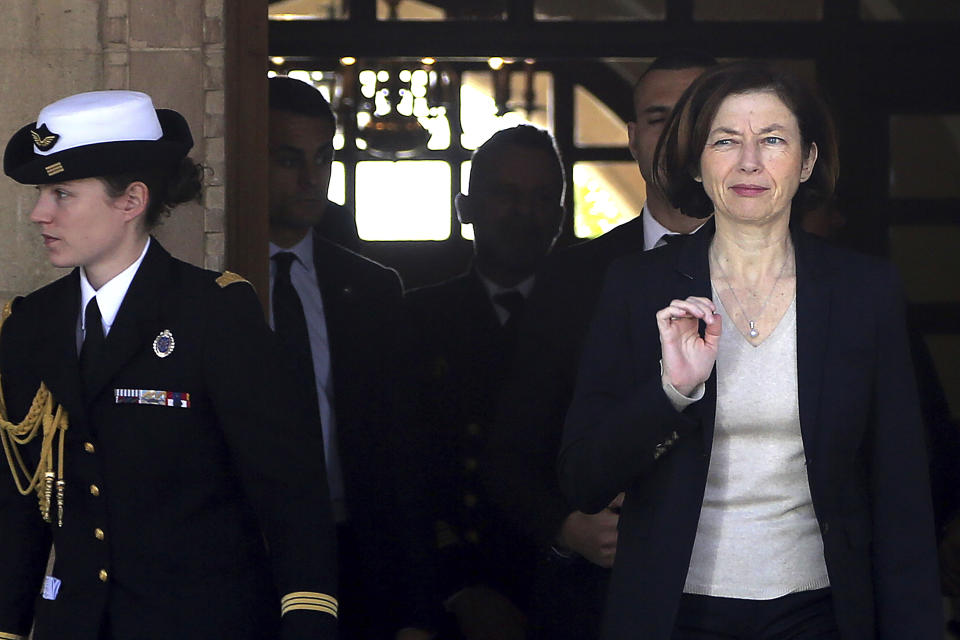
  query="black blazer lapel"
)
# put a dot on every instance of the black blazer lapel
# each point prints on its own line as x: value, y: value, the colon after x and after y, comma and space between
x: 333, y: 278
x: 813, y: 322
x: 57, y: 354
x: 693, y: 265
x: 133, y: 327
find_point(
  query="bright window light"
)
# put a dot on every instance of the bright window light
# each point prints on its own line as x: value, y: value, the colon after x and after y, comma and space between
x: 405, y: 200
x: 337, y: 190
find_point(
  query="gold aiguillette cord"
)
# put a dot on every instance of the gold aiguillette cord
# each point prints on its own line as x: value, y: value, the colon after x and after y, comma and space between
x: 52, y: 422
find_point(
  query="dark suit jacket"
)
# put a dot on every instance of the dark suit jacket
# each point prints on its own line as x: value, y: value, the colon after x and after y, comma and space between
x: 526, y: 436
x: 860, y: 425
x: 339, y: 226
x: 185, y: 496
x: 361, y: 302
x: 520, y: 466
x: 458, y: 354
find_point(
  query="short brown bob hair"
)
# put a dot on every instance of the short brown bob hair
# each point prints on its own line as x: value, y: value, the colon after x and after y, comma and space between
x: 676, y: 161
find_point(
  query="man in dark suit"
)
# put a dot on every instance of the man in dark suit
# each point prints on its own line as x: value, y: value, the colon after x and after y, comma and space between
x: 461, y: 337
x: 335, y: 313
x: 579, y: 548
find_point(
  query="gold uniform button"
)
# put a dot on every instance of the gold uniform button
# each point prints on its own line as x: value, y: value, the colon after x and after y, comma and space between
x: 89, y: 448
x: 98, y: 533
x: 94, y: 490
x: 103, y: 575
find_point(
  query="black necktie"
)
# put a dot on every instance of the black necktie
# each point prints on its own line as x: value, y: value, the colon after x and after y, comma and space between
x: 290, y: 323
x: 93, y: 339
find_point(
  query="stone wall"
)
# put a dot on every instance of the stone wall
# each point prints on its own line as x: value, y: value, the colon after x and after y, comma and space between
x: 172, y: 50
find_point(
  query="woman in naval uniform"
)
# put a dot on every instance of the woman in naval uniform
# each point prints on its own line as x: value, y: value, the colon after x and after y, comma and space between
x: 175, y: 467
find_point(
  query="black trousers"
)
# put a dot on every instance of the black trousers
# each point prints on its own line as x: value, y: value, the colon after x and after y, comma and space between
x: 807, y: 615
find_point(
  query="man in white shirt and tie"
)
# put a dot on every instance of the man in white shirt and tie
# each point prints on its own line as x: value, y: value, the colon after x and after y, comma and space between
x: 335, y: 312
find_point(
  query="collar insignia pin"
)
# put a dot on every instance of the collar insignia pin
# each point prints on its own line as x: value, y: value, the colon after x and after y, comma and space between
x: 163, y: 344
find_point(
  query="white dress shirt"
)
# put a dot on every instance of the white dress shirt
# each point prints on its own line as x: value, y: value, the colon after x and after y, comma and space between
x: 654, y: 233
x: 524, y: 287
x: 109, y: 297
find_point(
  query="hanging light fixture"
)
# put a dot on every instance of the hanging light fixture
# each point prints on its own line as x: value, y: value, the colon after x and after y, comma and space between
x: 502, y: 91
x: 398, y: 98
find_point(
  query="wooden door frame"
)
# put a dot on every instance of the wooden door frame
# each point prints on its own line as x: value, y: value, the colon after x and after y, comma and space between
x: 245, y: 86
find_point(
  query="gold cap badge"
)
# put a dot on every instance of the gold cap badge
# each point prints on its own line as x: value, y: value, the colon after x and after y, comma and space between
x: 43, y: 138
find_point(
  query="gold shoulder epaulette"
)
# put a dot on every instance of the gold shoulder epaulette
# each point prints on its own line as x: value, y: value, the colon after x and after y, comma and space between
x: 7, y: 310
x: 229, y: 277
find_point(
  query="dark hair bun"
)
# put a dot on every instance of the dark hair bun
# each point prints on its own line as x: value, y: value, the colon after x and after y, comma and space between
x: 185, y: 184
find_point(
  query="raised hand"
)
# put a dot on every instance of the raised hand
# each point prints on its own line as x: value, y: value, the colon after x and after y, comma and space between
x: 688, y: 357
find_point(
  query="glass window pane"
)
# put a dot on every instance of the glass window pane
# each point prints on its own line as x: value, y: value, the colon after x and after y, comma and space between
x: 478, y: 108
x: 405, y: 200
x: 309, y: 10
x: 419, y: 10
x: 595, y: 124
x: 917, y: 143
x: 724, y: 10
x: 925, y: 255
x: 466, y: 230
x: 337, y: 191
x: 945, y: 351
x: 605, y: 195
x: 919, y: 10
x: 600, y: 10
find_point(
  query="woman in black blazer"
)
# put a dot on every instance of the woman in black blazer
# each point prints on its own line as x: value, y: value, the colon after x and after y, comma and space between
x: 750, y: 389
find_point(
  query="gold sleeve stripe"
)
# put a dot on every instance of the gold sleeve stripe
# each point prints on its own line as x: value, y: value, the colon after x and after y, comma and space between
x: 11, y: 636
x: 309, y: 607
x: 327, y: 601
x: 308, y: 594
x: 309, y: 601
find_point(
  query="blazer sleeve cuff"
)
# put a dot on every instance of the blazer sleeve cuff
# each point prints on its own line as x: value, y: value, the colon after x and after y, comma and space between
x: 677, y: 399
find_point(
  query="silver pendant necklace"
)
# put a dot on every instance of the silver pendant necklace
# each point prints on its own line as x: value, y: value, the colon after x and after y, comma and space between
x: 752, y: 323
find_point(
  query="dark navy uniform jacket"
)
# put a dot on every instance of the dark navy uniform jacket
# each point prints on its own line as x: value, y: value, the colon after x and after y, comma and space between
x: 361, y: 301
x: 179, y: 522
x: 459, y: 356
x: 520, y: 465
